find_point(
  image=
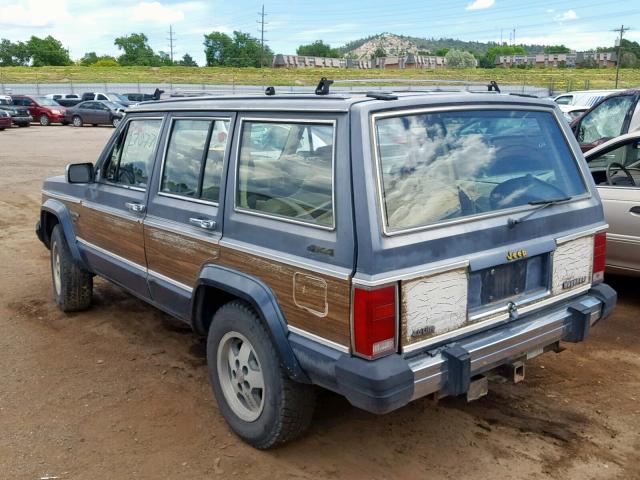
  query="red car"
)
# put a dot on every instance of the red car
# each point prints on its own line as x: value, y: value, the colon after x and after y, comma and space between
x: 43, y: 110
x: 5, y: 120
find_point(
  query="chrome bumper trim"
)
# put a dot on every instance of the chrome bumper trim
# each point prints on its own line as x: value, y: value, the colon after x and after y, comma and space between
x: 490, y: 349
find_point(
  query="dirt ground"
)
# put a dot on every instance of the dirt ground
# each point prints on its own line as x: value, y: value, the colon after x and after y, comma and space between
x: 120, y: 391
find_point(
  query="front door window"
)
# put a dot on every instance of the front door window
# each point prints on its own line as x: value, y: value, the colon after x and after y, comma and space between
x: 606, y: 120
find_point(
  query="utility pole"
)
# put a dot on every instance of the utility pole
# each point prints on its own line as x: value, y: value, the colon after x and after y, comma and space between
x: 171, y: 42
x: 621, y: 30
x: 514, y: 36
x: 262, y: 23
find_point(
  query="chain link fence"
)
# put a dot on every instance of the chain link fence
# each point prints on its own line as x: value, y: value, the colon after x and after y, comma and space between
x: 233, y: 89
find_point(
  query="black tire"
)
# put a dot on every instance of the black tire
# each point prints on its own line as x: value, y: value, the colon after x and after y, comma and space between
x: 64, y: 122
x: 77, y: 121
x: 1, y: 129
x: 286, y: 407
x: 72, y: 286
x: 21, y: 125
x: 94, y: 124
x: 44, y: 120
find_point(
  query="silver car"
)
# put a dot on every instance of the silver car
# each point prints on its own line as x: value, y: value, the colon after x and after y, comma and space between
x: 615, y: 166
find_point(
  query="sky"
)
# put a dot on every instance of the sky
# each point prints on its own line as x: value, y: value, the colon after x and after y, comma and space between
x: 92, y: 25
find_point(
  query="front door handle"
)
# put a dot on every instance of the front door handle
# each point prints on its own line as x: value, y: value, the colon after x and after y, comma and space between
x: 135, y: 207
x: 206, y: 223
x: 635, y: 210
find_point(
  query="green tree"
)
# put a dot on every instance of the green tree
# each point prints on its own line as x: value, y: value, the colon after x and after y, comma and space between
x: 378, y: 53
x: 556, y: 49
x: 136, y: 50
x: 187, y: 61
x: 460, y: 59
x: 13, y: 54
x: 47, y: 51
x: 318, y: 49
x: 106, y: 61
x: 442, y: 52
x: 217, y: 48
x: 240, y: 51
x: 91, y: 58
x: 164, y: 59
x: 489, y: 60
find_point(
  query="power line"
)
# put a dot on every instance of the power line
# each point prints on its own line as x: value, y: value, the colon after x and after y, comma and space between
x: 171, y: 42
x: 622, y: 29
x: 262, y: 23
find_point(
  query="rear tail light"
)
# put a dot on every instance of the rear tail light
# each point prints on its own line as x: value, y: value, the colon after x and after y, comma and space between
x: 599, y: 254
x: 375, y: 321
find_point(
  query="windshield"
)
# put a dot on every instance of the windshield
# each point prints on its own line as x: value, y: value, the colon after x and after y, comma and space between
x: 47, y: 102
x: 4, y: 101
x: 116, y: 97
x: 446, y: 165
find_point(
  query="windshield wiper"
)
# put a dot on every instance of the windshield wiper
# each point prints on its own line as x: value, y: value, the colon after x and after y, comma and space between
x: 541, y: 204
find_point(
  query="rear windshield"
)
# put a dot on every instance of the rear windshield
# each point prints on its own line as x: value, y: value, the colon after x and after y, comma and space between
x: 439, y: 166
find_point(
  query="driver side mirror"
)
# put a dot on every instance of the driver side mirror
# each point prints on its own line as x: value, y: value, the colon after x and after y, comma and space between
x: 80, y: 173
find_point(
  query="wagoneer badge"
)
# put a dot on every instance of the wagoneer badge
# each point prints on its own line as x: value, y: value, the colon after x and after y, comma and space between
x: 574, y: 282
x: 516, y: 254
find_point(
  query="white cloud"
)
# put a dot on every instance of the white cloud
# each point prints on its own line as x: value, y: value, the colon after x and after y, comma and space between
x: 34, y: 13
x: 566, y: 16
x: 480, y: 4
x: 155, y: 12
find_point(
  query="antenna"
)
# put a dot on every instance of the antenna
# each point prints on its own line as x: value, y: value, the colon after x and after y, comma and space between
x: 262, y: 23
x: 171, y: 42
x: 620, y: 30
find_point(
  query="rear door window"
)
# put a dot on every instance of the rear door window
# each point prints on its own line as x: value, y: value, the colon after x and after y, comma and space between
x: 285, y: 170
x: 194, y: 158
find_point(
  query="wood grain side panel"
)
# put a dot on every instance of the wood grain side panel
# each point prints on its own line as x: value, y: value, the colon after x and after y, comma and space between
x: 309, y: 313
x: 176, y: 256
x: 118, y: 235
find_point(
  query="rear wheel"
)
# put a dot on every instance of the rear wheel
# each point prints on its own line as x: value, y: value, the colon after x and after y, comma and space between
x: 45, y: 121
x: 258, y: 400
x: 77, y: 121
x: 72, y: 286
x: 24, y: 125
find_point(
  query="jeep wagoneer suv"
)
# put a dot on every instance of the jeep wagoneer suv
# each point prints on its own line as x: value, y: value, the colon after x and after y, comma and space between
x: 385, y: 247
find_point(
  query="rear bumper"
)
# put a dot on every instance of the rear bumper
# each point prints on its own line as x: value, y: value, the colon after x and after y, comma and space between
x: 386, y: 384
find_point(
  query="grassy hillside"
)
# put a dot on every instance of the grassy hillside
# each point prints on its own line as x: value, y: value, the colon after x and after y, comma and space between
x: 557, y: 79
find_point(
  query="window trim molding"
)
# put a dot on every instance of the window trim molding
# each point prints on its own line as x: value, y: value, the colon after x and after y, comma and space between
x: 165, y: 149
x: 304, y: 121
x: 125, y: 124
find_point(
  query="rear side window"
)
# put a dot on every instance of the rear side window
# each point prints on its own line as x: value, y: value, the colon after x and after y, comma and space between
x: 286, y: 170
x: 194, y: 158
x: 131, y: 159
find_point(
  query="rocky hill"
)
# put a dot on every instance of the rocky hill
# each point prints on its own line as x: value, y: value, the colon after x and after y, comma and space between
x: 393, y: 44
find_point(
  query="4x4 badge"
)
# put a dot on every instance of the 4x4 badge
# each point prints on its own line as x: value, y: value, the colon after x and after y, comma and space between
x: 516, y: 254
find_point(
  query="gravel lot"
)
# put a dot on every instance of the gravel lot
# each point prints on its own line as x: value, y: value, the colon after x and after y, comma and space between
x: 120, y: 391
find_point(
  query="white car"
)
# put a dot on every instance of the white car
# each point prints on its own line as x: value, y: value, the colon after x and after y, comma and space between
x: 615, y: 167
x: 64, y: 96
x: 585, y: 98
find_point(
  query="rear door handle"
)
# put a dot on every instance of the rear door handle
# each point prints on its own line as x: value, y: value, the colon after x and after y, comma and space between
x: 135, y: 207
x: 206, y: 223
x: 635, y: 210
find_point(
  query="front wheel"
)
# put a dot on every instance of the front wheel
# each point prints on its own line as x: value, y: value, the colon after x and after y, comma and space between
x: 262, y: 405
x: 45, y: 121
x: 72, y: 286
x: 77, y: 121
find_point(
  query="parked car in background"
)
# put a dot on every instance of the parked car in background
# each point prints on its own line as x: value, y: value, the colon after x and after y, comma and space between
x: 43, y: 110
x: 65, y: 99
x: 95, y: 112
x: 615, y: 115
x: 139, y: 97
x: 110, y: 97
x: 615, y: 167
x: 20, y: 116
x: 5, y: 119
x: 386, y: 247
x: 62, y: 96
x: 583, y: 98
